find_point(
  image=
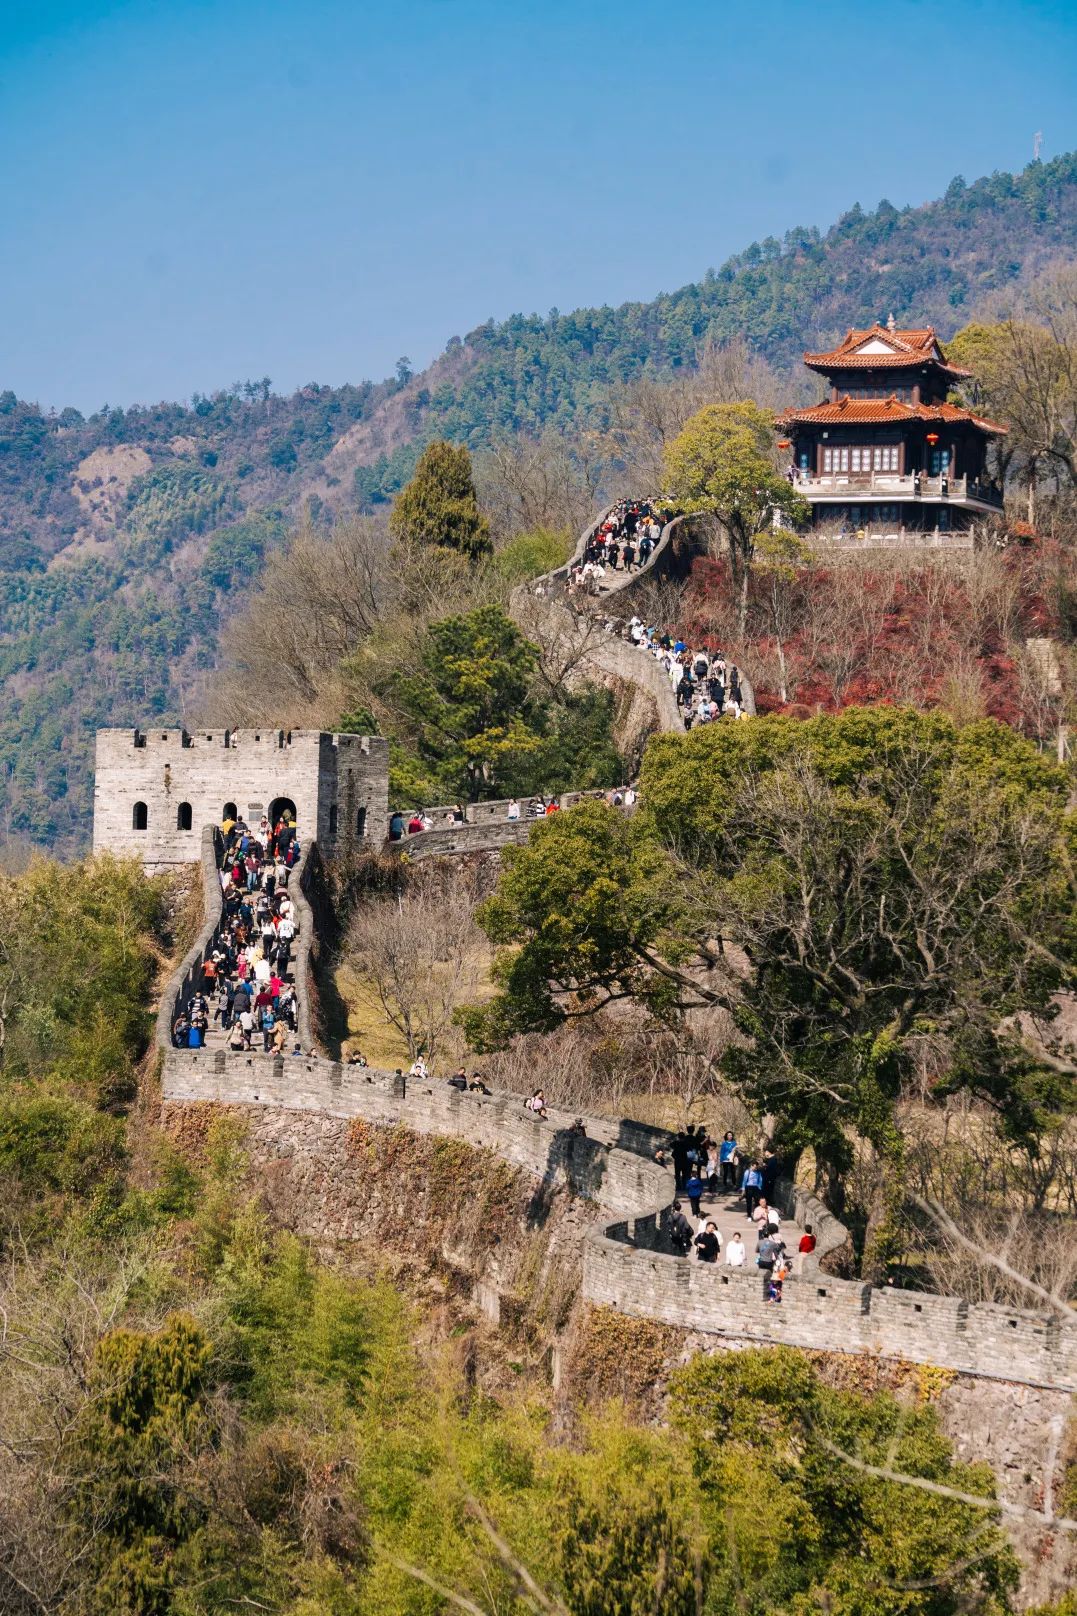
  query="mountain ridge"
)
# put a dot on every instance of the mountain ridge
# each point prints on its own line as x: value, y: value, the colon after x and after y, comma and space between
x: 126, y: 537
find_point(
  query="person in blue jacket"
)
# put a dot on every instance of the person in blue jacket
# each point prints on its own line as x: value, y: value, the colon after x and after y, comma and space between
x: 751, y: 1186
x: 694, y: 1189
x: 727, y: 1156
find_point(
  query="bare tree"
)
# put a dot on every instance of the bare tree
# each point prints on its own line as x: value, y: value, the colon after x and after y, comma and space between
x: 526, y: 483
x: 421, y: 954
x: 646, y: 415
x: 318, y: 599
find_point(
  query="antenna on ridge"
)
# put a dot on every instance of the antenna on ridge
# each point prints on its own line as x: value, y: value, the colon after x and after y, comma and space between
x: 1037, y: 142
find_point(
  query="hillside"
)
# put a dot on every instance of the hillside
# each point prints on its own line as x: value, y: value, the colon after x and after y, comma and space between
x: 126, y: 537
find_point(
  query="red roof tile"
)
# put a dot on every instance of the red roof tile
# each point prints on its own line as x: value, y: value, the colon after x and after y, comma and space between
x: 874, y: 412
x: 919, y: 346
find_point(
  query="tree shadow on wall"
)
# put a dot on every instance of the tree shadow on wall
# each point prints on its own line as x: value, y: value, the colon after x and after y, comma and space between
x: 571, y: 1158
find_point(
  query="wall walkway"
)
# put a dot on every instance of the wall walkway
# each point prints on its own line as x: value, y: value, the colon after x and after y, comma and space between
x: 628, y: 1263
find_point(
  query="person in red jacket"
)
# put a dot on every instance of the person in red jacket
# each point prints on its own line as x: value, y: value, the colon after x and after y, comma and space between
x: 807, y: 1240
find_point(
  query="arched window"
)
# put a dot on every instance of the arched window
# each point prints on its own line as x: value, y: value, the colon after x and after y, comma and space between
x: 360, y: 823
x: 184, y: 816
x: 230, y: 811
x: 140, y: 816
x: 333, y: 819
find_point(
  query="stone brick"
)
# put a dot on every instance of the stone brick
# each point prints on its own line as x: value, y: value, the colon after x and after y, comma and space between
x: 338, y: 785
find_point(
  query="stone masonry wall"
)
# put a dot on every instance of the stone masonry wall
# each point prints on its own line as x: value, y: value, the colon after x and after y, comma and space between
x: 625, y: 1266
x: 338, y: 785
x: 627, y: 1263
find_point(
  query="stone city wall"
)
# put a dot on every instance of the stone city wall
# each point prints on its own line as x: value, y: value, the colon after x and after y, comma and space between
x: 830, y: 1314
x: 598, y: 1166
x: 627, y: 1263
x: 485, y: 827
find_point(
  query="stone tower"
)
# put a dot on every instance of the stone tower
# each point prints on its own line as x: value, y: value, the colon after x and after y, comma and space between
x: 155, y: 790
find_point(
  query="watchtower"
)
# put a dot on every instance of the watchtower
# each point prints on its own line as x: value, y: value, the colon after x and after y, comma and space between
x: 156, y: 789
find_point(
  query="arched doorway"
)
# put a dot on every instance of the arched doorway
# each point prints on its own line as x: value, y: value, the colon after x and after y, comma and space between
x: 279, y: 806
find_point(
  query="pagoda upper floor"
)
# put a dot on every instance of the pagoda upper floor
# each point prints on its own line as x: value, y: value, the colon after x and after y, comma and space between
x: 885, y: 362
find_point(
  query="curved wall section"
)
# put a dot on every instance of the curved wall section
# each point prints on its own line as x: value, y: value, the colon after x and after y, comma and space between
x: 627, y: 1264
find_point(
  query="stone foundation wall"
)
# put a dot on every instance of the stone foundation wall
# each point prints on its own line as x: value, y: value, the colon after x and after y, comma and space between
x: 625, y: 1265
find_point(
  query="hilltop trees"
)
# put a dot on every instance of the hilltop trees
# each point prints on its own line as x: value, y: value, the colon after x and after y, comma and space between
x: 471, y: 717
x: 439, y: 506
x: 1025, y: 373
x: 723, y: 462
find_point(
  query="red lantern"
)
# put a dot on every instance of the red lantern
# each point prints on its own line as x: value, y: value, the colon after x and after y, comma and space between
x: 784, y: 443
x: 933, y: 438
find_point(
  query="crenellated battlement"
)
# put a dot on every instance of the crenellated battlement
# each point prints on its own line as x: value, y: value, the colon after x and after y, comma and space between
x: 156, y: 789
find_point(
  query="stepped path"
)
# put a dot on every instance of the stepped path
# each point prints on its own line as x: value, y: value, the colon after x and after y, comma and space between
x: 587, y: 625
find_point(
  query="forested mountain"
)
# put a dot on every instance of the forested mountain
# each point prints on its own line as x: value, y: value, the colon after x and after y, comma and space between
x: 125, y: 536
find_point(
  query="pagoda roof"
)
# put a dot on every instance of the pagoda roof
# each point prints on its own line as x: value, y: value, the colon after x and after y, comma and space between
x: 880, y: 348
x: 880, y: 411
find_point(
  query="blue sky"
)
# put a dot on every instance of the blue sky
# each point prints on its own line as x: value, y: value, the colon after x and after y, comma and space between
x: 192, y: 193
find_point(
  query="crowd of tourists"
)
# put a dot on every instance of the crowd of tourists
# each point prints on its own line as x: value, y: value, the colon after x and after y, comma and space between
x: 402, y: 824
x: 706, y: 683
x: 707, y: 1167
x: 622, y: 542
x: 246, y: 987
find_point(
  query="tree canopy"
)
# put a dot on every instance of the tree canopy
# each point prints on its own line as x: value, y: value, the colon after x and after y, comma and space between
x: 472, y: 718
x: 723, y: 462
x: 439, y: 505
x: 882, y: 874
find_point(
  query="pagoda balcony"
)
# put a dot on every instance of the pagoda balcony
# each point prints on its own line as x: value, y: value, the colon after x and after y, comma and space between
x: 840, y: 486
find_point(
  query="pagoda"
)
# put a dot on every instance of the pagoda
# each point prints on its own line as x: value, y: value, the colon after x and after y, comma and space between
x: 884, y: 455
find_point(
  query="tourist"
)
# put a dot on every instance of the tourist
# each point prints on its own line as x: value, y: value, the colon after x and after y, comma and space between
x: 459, y: 1081
x: 727, y: 1155
x: 679, y: 1152
x: 415, y: 823
x: 694, y: 1189
x: 396, y: 827
x: 417, y: 1070
x: 734, y: 1252
x: 765, y: 1257
x: 711, y: 1169
x: 537, y: 1104
x: 807, y: 1241
x: 709, y: 1243
x: 680, y: 1231
x: 778, y: 1274
x: 760, y: 1214
x: 751, y: 1186
x: 477, y: 1086
x: 514, y: 810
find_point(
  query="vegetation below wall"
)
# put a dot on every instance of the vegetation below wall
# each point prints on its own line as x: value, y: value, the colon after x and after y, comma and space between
x: 198, y: 1413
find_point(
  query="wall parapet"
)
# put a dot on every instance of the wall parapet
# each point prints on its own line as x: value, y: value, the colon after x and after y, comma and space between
x: 627, y: 1264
